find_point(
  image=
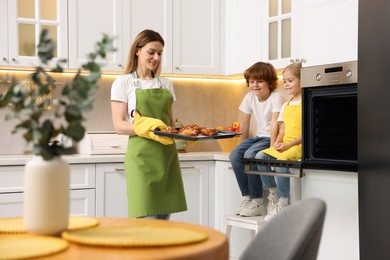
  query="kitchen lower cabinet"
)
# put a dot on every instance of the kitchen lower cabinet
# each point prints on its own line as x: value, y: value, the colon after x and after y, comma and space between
x: 82, y: 193
x: 111, y: 196
x: 11, y: 204
x: 195, y: 176
x: 227, y: 198
x: 339, y: 190
x: 82, y: 203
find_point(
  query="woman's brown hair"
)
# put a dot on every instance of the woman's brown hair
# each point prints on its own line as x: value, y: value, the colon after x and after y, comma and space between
x: 140, y: 41
x: 262, y: 71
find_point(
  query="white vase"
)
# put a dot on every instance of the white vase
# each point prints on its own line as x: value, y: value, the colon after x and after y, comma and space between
x: 46, y: 196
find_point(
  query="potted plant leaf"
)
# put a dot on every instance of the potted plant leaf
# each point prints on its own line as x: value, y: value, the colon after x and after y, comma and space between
x: 46, y: 194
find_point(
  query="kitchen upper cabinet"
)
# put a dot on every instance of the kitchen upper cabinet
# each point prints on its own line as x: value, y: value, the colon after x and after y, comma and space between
x: 190, y: 30
x: 240, y: 35
x: 279, y: 37
x: 88, y: 21
x: 21, y: 24
x: 314, y: 31
x: 196, y: 37
x: 157, y: 16
x: 328, y: 31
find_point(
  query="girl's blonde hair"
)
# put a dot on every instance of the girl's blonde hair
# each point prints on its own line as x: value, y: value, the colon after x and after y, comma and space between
x: 295, y: 69
x: 140, y: 41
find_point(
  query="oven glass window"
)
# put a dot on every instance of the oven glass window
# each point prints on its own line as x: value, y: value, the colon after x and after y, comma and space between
x: 333, y: 124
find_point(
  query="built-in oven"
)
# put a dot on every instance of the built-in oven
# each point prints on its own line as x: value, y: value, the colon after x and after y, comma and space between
x: 329, y: 116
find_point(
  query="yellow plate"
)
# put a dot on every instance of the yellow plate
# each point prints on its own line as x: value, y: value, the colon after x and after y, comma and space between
x: 16, y: 225
x: 26, y: 246
x: 134, y: 236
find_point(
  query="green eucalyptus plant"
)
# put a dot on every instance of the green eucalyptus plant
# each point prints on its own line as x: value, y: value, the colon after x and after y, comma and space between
x: 76, y: 97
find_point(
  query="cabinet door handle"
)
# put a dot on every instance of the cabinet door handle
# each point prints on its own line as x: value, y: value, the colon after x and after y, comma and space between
x: 187, y: 167
x: 115, y: 146
x: 119, y: 169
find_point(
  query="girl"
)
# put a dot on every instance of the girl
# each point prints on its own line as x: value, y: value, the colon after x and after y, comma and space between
x: 288, y: 144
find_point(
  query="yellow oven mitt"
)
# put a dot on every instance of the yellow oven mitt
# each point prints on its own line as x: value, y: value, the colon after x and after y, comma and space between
x: 143, y: 125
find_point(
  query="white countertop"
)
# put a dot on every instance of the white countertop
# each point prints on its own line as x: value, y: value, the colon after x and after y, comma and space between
x: 14, y: 160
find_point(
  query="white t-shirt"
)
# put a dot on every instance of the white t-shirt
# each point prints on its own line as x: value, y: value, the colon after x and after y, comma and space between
x: 262, y: 110
x: 123, y: 89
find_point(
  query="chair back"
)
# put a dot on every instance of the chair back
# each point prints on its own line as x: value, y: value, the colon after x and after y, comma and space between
x: 293, y: 234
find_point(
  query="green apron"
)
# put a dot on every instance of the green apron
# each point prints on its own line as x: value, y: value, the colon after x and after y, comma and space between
x: 153, y: 176
x: 292, y: 118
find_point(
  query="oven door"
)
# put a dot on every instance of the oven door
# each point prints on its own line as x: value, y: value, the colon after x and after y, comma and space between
x: 330, y: 127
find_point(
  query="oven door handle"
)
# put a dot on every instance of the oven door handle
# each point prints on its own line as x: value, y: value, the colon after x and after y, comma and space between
x: 294, y: 166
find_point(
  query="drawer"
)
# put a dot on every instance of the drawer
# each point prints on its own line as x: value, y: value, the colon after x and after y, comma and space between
x: 82, y: 176
x: 12, y: 177
x: 82, y: 203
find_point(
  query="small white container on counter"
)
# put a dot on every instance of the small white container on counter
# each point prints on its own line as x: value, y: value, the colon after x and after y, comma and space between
x: 103, y: 143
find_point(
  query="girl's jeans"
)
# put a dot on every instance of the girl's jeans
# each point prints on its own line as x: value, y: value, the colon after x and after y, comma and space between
x: 283, y: 186
x: 249, y: 184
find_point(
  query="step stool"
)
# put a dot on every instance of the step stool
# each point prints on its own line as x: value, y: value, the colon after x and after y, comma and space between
x: 252, y: 223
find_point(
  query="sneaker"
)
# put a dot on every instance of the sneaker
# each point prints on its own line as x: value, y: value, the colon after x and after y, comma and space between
x: 243, y: 204
x: 272, y: 201
x: 278, y: 208
x: 253, y: 209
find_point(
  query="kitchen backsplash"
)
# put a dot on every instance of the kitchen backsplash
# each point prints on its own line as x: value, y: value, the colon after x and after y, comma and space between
x: 207, y: 102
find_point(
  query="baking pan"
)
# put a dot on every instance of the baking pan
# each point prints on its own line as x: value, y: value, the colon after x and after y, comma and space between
x: 221, y: 135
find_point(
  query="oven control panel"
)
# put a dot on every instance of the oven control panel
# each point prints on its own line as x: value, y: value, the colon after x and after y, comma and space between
x: 329, y: 75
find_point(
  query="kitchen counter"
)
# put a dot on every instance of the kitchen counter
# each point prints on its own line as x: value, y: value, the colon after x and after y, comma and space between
x: 14, y: 160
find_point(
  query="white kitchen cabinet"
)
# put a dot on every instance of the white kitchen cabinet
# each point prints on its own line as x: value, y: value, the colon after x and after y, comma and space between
x: 196, y: 186
x: 190, y: 30
x: 82, y: 203
x: 240, y: 35
x: 317, y: 31
x: 279, y: 31
x: 328, y: 31
x: 88, y: 21
x: 196, y: 37
x: 21, y: 25
x: 157, y: 16
x: 111, y: 196
x: 339, y: 190
x: 227, y: 198
x: 82, y: 193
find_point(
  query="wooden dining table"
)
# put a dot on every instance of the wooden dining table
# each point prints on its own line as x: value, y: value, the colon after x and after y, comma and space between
x: 215, y: 247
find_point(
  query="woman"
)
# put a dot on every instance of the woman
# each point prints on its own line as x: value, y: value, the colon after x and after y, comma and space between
x: 154, y: 182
